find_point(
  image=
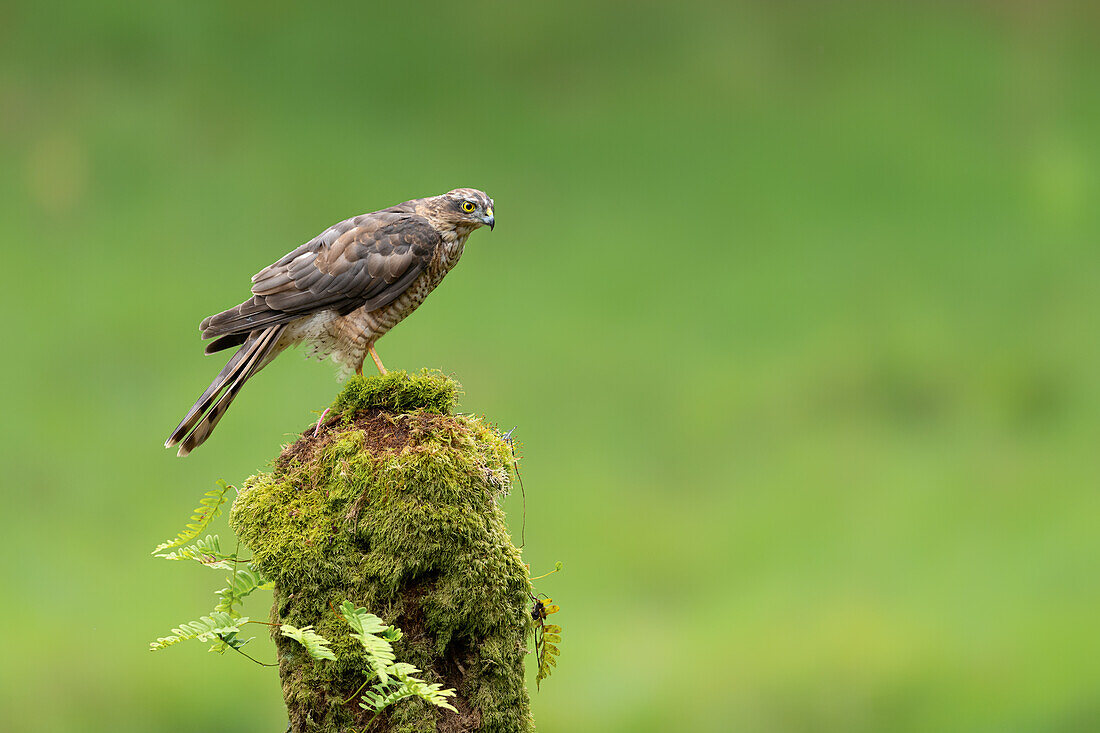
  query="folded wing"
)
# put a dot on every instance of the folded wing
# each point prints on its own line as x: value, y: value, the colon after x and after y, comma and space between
x: 366, y: 261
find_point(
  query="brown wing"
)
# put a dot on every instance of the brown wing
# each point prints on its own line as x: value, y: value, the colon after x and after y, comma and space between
x: 366, y: 261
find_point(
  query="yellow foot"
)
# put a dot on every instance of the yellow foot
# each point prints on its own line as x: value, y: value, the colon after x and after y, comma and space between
x: 377, y: 361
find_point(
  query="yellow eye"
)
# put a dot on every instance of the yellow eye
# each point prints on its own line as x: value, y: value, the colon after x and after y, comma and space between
x: 468, y: 206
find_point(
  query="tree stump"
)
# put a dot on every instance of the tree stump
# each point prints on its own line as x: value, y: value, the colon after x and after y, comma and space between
x: 391, y: 503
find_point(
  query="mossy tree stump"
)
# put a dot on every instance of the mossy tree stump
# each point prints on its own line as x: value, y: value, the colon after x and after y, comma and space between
x: 392, y: 505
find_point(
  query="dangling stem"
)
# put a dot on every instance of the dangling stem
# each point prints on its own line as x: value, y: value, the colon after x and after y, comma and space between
x: 345, y: 702
x: 247, y: 656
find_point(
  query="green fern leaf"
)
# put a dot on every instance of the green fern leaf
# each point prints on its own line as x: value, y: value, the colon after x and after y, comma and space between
x: 217, y: 625
x: 403, y: 685
x: 372, y: 701
x: 227, y: 641
x: 206, y: 552
x: 395, y: 679
x: 209, y: 508
x: 375, y: 636
x: 431, y: 693
x: 241, y: 584
x: 315, y: 644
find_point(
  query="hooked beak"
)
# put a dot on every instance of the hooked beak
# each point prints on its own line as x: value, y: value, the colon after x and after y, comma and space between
x: 489, y: 219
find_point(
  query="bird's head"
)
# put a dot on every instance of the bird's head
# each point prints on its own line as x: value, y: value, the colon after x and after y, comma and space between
x: 465, y: 209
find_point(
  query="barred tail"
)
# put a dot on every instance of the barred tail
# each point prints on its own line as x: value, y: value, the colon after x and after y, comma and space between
x: 255, y: 353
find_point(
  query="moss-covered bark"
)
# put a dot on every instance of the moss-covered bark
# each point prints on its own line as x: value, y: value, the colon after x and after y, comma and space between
x: 393, y: 506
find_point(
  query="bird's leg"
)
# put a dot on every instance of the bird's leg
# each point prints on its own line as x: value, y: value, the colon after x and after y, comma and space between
x: 377, y: 361
x: 359, y: 369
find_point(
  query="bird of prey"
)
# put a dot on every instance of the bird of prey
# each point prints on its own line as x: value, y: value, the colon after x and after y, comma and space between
x: 338, y: 293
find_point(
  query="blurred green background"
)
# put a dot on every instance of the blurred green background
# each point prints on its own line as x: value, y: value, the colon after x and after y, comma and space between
x: 795, y: 305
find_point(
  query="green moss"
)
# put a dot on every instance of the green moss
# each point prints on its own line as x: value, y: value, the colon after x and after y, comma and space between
x: 400, y: 392
x: 395, y: 509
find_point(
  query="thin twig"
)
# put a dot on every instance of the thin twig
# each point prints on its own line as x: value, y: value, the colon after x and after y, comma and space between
x: 319, y: 421
x: 522, y: 491
x: 545, y: 574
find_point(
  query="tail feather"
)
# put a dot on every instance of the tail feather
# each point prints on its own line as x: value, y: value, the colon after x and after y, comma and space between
x: 200, y: 420
x: 228, y: 373
x: 226, y: 342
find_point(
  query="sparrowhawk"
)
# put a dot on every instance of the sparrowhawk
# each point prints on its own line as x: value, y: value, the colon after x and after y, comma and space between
x: 338, y: 293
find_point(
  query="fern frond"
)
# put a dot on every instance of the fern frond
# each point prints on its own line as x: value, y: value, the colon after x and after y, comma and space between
x: 375, y: 636
x: 431, y: 693
x: 217, y: 625
x: 206, y: 552
x: 547, y: 638
x: 546, y: 658
x: 209, y: 507
x: 404, y: 685
x: 241, y: 584
x: 315, y: 644
x: 226, y: 641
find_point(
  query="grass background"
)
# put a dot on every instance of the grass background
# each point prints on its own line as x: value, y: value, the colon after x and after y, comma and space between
x: 795, y: 306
